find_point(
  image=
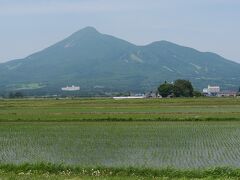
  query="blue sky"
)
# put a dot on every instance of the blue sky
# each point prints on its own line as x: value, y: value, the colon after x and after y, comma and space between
x: 27, y: 26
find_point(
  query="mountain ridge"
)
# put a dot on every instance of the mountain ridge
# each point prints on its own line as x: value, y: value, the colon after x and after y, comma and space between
x: 91, y: 59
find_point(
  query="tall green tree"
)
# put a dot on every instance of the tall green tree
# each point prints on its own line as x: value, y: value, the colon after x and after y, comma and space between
x: 165, y: 89
x: 197, y: 93
x: 183, y: 88
x: 238, y: 93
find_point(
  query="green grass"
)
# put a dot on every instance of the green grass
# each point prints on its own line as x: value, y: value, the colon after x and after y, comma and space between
x: 51, y: 171
x: 120, y: 110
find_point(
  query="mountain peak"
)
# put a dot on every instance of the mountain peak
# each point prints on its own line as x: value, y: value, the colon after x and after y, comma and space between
x: 162, y: 43
x: 87, y: 30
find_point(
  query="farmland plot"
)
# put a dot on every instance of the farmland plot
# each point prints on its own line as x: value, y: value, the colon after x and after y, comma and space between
x: 122, y: 144
x: 128, y: 110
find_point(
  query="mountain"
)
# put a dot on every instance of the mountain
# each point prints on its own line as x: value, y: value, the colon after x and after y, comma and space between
x: 99, y: 62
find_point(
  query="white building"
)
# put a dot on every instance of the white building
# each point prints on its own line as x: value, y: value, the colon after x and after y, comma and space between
x: 71, y: 88
x: 211, y: 90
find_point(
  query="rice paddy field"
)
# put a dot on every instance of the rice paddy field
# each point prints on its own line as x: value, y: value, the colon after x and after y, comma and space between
x: 123, y: 139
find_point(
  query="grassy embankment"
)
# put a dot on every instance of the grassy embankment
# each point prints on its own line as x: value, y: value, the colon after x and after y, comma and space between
x: 50, y: 171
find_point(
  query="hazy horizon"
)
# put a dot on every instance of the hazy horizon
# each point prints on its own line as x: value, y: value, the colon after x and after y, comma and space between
x: 29, y: 26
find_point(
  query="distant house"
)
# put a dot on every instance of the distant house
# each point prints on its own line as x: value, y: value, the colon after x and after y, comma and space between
x: 153, y: 95
x: 71, y: 88
x: 227, y: 94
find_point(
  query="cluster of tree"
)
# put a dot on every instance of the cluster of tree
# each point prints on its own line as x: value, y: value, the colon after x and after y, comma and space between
x: 180, y: 88
x: 15, y: 95
x: 238, y: 93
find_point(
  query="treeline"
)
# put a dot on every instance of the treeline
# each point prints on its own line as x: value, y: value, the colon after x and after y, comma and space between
x: 180, y: 88
x: 12, y: 95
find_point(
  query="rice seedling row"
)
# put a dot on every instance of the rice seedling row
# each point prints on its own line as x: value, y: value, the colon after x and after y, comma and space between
x: 122, y: 144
